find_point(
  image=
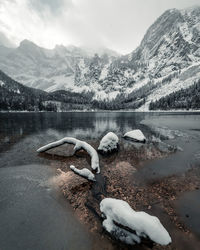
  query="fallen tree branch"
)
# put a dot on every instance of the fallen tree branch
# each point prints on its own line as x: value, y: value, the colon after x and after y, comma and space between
x: 86, y: 173
x: 78, y: 145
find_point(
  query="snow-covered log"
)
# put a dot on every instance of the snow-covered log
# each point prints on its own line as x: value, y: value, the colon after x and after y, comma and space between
x: 83, y: 172
x: 108, y: 143
x: 78, y: 145
x: 135, y: 135
x: 118, y: 212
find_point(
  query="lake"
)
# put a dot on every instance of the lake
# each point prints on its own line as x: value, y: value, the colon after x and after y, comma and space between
x: 34, y: 214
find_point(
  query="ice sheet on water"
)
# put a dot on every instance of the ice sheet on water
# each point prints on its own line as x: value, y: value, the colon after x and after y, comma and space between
x: 162, y: 132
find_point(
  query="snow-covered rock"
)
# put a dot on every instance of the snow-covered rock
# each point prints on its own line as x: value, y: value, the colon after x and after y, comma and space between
x: 83, y: 172
x: 108, y: 143
x: 135, y: 135
x: 120, y: 233
x: 118, y: 213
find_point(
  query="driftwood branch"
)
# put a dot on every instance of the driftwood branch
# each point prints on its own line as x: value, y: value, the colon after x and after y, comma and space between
x: 78, y: 145
x: 86, y: 173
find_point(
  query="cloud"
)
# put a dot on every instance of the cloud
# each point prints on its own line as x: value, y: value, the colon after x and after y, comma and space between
x: 20, y: 20
x: 117, y: 24
x: 5, y: 41
x: 54, y: 6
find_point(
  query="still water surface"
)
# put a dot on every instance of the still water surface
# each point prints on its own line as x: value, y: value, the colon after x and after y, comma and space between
x: 33, y: 215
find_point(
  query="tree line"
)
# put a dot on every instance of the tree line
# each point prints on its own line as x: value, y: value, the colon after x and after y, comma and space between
x: 188, y: 98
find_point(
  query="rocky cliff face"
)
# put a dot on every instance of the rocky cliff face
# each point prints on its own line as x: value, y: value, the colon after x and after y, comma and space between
x: 68, y: 68
x: 167, y: 60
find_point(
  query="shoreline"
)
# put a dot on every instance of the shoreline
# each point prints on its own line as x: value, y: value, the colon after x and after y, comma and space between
x: 118, y: 180
x: 107, y: 111
x: 153, y: 185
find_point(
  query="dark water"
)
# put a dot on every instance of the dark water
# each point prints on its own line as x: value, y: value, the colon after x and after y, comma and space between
x: 189, y: 207
x: 32, y: 214
x: 182, y: 131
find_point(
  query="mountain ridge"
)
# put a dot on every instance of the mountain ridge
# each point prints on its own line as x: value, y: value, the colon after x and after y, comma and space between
x: 167, y: 59
x: 14, y: 96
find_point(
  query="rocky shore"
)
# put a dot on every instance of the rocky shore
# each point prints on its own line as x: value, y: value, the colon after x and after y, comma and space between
x: 117, y: 180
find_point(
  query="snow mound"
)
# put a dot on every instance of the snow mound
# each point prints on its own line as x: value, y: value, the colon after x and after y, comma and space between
x: 120, y: 233
x: 119, y: 214
x: 108, y: 143
x: 83, y: 172
x: 135, y: 135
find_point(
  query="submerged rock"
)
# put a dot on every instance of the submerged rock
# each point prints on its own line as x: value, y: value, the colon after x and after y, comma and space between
x: 109, y: 143
x: 135, y: 135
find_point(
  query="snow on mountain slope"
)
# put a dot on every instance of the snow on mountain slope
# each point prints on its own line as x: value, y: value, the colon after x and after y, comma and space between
x: 186, y: 79
x: 67, y: 68
x: 167, y: 60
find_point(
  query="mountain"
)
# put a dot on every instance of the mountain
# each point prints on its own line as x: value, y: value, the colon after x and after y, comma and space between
x: 166, y: 61
x: 188, y: 98
x: 15, y: 96
x: 62, y: 68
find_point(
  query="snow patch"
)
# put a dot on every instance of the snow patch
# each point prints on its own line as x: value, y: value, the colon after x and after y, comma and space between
x: 2, y: 83
x: 83, y: 172
x: 104, y: 72
x: 135, y: 135
x: 109, y: 142
x: 187, y: 35
x: 119, y: 213
x: 120, y: 233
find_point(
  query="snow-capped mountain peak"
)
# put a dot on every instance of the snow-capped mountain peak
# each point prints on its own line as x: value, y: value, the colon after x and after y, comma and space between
x: 167, y: 60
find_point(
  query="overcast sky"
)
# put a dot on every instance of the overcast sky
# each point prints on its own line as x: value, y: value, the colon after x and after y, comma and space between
x: 116, y: 24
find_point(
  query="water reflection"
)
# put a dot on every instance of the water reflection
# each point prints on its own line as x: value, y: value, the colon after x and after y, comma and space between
x: 17, y: 126
x: 25, y: 132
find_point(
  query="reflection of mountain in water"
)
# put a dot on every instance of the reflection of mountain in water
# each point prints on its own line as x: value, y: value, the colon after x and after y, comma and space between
x: 12, y: 124
x: 22, y: 133
x: 25, y: 132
